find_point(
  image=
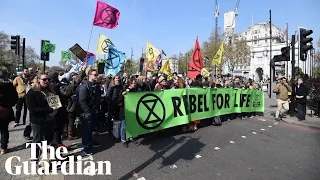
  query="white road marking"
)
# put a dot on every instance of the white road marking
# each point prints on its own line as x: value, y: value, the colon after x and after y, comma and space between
x: 173, y: 167
x: 142, y: 178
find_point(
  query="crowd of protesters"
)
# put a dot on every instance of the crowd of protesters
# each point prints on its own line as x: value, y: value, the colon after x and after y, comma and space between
x: 90, y: 102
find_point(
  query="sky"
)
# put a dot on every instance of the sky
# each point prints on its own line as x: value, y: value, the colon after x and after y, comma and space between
x: 171, y: 25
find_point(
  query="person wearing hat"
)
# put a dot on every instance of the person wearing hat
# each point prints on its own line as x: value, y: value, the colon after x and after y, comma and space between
x: 161, y: 85
x: 282, y: 89
x: 301, y: 94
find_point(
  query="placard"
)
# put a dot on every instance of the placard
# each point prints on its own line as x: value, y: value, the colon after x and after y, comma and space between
x: 54, y: 101
x: 79, y: 52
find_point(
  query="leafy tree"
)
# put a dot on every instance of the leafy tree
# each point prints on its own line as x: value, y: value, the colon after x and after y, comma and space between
x: 132, y: 67
x: 10, y: 60
x: 56, y: 68
x: 316, y: 71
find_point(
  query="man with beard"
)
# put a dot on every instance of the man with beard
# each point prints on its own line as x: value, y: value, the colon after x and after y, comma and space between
x: 20, y: 83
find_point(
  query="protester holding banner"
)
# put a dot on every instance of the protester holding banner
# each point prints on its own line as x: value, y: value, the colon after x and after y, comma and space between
x: 198, y: 81
x: 145, y: 85
x: 131, y: 88
x: 161, y: 85
x: 42, y: 116
x: 112, y: 97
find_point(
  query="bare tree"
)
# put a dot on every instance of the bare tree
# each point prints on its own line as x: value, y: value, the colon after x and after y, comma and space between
x: 238, y: 53
x: 210, y: 48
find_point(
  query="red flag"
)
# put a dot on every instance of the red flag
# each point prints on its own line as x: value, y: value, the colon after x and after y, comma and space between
x: 196, y: 63
x: 106, y: 16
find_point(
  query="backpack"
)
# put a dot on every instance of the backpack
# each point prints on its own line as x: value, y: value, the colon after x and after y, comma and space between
x: 217, y: 121
x: 75, y: 98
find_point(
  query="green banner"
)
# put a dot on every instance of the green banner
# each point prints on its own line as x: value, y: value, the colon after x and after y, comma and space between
x: 152, y: 111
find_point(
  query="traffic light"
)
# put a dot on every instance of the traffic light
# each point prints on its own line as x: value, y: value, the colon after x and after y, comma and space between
x: 15, y: 44
x: 285, y: 53
x: 44, y: 56
x: 101, y: 67
x: 303, y: 42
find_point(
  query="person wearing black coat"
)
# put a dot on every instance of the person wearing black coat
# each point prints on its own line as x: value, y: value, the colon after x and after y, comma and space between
x: 62, y: 114
x: 89, y: 102
x: 131, y: 88
x: 8, y: 98
x: 112, y: 98
x: 42, y: 116
x: 302, y: 92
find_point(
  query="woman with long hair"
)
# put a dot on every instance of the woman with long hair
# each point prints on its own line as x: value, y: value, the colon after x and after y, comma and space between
x: 42, y: 116
x: 8, y: 98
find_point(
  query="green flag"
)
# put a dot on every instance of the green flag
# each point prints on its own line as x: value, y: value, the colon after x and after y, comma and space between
x: 66, y: 56
x: 48, y: 47
x: 147, y: 112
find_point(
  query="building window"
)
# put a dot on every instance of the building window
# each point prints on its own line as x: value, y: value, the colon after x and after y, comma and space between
x: 255, y: 37
x: 256, y: 31
x: 255, y: 42
x: 265, y: 35
x: 245, y: 33
x: 266, y: 41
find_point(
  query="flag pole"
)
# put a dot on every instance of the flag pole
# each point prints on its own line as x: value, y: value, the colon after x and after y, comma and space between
x: 287, y: 63
x: 90, y: 38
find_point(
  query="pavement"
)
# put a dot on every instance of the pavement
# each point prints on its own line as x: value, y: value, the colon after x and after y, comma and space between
x: 311, y: 119
x: 248, y: 149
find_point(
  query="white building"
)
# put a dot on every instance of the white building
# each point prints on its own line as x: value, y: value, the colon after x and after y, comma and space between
x: 258, y: 39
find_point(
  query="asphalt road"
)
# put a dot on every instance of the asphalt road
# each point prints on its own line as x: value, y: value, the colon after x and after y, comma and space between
x: 249, y: 149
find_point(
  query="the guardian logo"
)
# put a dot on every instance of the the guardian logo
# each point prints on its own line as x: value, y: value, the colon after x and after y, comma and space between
x: 67, y: 167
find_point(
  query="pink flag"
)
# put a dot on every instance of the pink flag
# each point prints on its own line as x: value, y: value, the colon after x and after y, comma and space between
x: 106, y: 16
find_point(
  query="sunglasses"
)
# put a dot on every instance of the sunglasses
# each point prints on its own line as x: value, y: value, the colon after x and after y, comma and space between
x: 94, y: 74
x: 46, y: 79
